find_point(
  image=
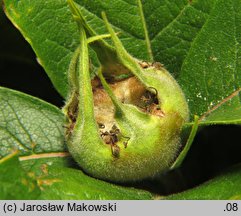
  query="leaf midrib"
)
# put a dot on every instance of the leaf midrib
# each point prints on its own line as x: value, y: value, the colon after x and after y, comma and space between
x: 170, y: 23
x: 44, y: 155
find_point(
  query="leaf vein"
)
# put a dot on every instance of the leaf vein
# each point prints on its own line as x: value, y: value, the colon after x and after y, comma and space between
x: 235, y: 93
x: 44, y: 155
x: 51, y: 120
x: 170, y: 23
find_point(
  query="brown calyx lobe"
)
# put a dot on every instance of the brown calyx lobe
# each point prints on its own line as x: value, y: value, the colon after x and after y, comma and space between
x: 128, y: 91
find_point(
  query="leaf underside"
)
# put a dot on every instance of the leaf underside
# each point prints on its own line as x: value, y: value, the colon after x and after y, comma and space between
x: 29, y: 125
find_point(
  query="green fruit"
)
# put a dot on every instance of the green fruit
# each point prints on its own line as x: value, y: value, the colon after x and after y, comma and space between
x: 124, y: 130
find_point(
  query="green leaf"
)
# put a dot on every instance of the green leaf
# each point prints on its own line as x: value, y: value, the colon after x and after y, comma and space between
x: 198, y: 41
x: 224, y: 187
x: 29, y: 125
x: 14, y: 181
x: 211, y: 72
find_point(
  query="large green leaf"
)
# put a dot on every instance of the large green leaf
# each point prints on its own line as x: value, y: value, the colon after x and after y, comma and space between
x: 225, y: 187
x: 198, y: 41
x: 211, y: 72
x: 34, y: 129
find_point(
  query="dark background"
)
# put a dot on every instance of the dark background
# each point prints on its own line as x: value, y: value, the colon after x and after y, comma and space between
x: 215, y: 148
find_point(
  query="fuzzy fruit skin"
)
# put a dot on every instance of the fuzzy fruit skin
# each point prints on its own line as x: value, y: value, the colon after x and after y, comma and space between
x: 145, y: 156
x: 152, y: 141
